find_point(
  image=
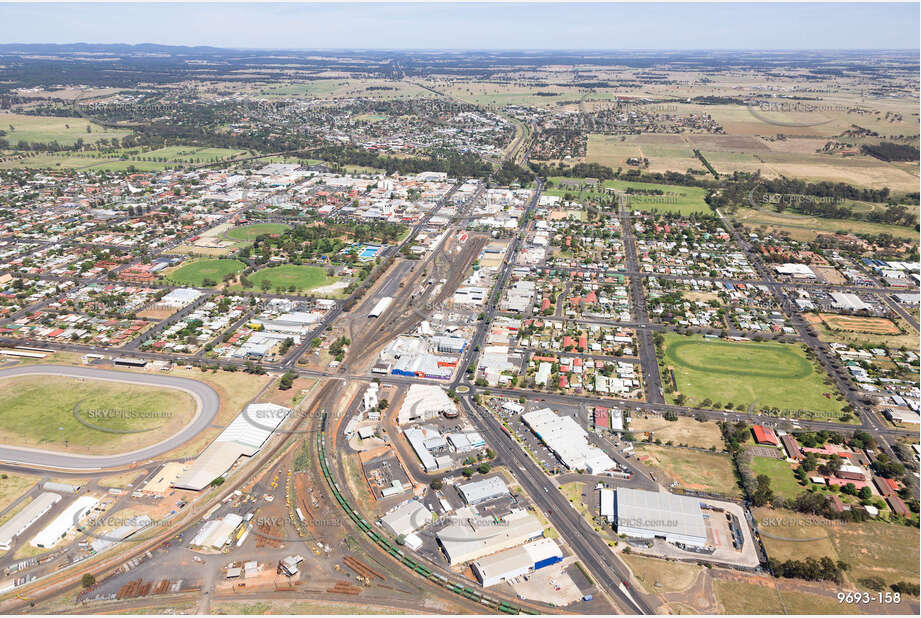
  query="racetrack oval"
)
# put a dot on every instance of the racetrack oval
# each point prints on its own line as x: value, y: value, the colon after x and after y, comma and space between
x: 207, y: 405
x: 741, y: 359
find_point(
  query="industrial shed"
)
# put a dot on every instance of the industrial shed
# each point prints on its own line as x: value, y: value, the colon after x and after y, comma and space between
x: 483, y: 490
x: 471, y: 540
x: 244, y: 436
x: 517, y: 561
x: 425, y: 402
x: 651, y: 514
x: 21, y: 521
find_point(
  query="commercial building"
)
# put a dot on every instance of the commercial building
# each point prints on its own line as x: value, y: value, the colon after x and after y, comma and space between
x: 848, y: 302
x: 650, y: 514
x: 424, y: 402
x: 244, y: 436
x: 568, y: 441
x: 180, y: 297
x: 483, y: 490
x: 51, y: 534
x: 517, y: 561
x: 21, y: 521
x: 472, y: 540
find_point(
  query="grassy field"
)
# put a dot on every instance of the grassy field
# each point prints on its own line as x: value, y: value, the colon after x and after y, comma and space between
x: 195, y: 273
x: 303, y: 278
x: 674, y: 198
x: 783, y: 482
x: 12, y: 485
x: 250, y: 232
x: 685, y: 430
x: 907, y: 338
x: 738, y: 597
x: 46, y: 129
x: 666, y: 153
x: 38, y: 411
x: 866, y: 546
x: 189, y: 154
x: 662, y: 575
x: 760, y: 374
x: 691, y: 469
x: 802, y: 227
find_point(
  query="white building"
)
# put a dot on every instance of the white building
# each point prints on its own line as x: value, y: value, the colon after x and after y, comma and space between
x: 21, y: 521
x: 651, y: 514
x: 425, y: 402
x: 51, y: 534
x: 406, y: 518
x: 244, y: 436
x: 517, y: 561
x: 471, y: 540
x: 568, y: 441
x: 483, y: 490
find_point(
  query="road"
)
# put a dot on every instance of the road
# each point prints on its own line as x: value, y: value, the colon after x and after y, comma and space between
x: 206, y: 400
x: 607, y: 569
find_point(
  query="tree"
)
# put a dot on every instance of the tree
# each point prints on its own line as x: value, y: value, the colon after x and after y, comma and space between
x: 286, y: 381
x: 763, y: 492
x: 436, y: 484
x: 467, y: 472
x: 88, y: 580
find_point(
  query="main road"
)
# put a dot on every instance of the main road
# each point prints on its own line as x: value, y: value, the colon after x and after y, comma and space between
x: 207, y: 404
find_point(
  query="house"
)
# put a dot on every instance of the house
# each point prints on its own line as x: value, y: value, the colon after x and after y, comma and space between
x: 898, y: 506
x: 886, y: 487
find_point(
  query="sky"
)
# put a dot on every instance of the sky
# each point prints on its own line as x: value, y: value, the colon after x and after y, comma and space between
x: 601, y: 26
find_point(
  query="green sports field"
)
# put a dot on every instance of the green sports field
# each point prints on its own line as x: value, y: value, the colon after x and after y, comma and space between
x: 195, y: 273
x: 765, y: 375
x: 251, y: 232
x: 39, y: 411
x: 303, y: 278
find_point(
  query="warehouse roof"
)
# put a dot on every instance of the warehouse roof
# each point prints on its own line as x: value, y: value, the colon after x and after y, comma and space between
x: 245, y: 435
x: 471, y: 540
x: 406, y: 518
x: 19, y: 522
x: 660, y: 513
x: 485, y: 489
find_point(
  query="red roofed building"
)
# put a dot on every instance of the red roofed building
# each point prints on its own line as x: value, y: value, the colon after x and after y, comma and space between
x: 898, y: 506
x: 886, y: 487
x: 764, y: 435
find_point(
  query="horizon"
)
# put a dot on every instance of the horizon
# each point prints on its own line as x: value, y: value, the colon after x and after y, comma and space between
x: 482, y: 26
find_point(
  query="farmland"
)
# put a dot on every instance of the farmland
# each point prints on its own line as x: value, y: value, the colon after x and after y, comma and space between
x: 46, y: 129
